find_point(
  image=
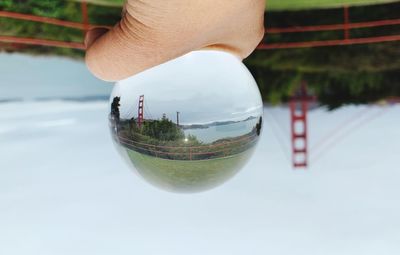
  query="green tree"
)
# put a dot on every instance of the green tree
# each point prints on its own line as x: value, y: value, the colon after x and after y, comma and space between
x: 164, y: 130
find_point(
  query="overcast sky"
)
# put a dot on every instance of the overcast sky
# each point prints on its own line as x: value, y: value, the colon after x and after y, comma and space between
x: 64, y: 190
x: 203, y: 86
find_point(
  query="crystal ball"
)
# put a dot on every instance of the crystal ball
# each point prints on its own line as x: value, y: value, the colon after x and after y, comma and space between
x: 189, y: 124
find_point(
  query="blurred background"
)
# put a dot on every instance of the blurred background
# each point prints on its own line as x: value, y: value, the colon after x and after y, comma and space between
x: 323, y: 180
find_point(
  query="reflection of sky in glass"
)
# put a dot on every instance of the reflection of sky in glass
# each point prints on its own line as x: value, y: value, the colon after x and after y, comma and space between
x: 223, y: 90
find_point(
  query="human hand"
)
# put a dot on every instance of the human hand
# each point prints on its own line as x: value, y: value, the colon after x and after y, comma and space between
x: 152, y: 32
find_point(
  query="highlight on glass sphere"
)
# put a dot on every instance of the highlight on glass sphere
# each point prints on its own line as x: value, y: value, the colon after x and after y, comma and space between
x: 190, y: 124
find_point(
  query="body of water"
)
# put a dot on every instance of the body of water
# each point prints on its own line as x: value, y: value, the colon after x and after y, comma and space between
x: 213, y: 133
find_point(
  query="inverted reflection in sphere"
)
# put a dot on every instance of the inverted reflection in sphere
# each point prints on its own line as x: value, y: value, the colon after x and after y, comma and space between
x: 190, y: 124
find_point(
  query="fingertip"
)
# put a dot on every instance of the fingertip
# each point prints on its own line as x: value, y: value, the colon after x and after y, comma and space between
x: 96, y: 66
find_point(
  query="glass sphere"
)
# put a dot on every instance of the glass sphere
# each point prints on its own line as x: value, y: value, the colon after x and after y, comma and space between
x: 189, y: 124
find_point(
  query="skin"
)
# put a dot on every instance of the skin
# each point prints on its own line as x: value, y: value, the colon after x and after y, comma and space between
x: 152, y: 32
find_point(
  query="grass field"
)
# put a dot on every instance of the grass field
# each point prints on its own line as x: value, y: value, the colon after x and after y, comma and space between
x: 282, y: 4
x: 185, y: 175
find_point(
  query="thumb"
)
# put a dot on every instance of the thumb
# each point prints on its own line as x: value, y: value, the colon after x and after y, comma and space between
x: 126, y: 49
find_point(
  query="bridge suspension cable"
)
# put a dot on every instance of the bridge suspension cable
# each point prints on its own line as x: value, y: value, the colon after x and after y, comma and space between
x: 42, y: 42
x: 343, y: 125
x: 346, y: 26
x: 357, y: 127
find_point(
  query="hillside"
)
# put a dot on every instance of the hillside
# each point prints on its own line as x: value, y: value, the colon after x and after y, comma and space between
x: 338, y: 75
x: 274, y: 5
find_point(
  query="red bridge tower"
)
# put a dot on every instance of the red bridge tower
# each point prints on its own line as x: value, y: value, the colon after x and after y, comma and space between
x: 298, y: 119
